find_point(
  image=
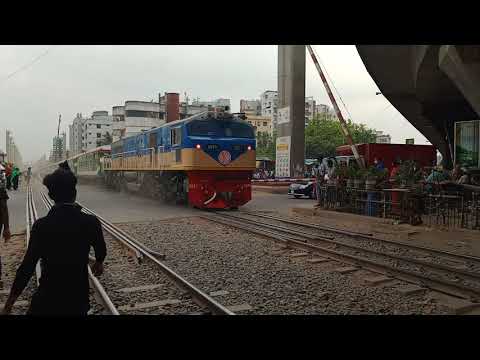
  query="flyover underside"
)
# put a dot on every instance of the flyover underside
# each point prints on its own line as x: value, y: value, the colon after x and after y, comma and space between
x: 431, y: 86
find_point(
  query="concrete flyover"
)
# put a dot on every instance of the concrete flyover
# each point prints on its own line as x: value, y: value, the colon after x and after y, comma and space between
x: 432, y: 86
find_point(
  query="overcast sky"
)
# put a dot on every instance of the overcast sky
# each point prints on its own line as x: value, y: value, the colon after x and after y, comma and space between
x: 82, y: 79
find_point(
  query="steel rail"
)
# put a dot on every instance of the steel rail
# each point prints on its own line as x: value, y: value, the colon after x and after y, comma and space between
x: 32, y: 216
x: 99, y: 291
x: 198, y: 295
x: 371, y: 237
x: 435, y: 266
x: 444, y: 286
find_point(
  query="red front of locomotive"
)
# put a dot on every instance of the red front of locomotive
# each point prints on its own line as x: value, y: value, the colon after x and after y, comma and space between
x: 219, y: 189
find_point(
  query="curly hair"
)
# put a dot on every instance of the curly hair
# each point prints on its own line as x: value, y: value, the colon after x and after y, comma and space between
x: 61, y: 184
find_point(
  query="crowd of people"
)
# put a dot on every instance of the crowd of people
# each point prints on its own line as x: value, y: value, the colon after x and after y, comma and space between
x: 12, y: 174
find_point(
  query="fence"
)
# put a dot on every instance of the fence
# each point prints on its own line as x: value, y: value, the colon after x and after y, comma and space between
x: 459, y: 209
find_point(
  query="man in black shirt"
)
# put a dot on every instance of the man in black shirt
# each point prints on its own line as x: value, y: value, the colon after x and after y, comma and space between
x: 61, y: 241
x: 4, y: 223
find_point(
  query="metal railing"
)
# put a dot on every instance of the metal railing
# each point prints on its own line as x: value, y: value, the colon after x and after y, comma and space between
x: 449, y: 209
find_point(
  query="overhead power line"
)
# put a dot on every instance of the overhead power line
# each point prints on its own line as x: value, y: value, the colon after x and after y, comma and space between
x: 26, y: 66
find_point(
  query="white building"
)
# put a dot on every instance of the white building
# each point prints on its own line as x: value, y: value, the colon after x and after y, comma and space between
x: 251, y: 107
x: 310, y: 109
x: 324, y: 109
x: 142, y: 116
x: 137, y: 116
x: 13, y: 154
x: 269, y: 105
x: 118, y: 125
x: 95, y: 130
x: 382, y: 138
x: 76, y: 135
x: 215, y: 103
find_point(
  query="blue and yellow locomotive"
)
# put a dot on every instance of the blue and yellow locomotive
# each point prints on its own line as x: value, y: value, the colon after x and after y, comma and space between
x: 207, y: 160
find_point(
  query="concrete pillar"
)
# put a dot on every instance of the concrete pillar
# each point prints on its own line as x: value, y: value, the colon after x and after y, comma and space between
x: 464, y: 73
x: 290, y: 147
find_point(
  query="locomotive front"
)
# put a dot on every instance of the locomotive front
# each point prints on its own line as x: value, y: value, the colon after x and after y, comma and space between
x: 220, y: 162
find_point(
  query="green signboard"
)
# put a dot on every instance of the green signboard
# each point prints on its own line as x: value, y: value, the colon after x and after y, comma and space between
x: 410, y: 141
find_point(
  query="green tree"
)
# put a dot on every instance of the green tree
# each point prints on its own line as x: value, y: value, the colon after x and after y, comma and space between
x: 266, y: 144
x: 323, y: 135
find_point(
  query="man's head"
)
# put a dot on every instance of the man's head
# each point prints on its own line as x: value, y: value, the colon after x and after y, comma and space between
x: 61, y: 184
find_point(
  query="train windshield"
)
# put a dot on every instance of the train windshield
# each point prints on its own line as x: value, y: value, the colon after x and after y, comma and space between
x: 220, y: 128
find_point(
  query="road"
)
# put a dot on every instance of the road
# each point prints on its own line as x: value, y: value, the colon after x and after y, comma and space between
x: 127, y: 207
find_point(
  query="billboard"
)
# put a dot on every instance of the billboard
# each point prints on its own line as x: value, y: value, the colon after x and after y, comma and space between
x: 282, y: 160
x: 283, y: 115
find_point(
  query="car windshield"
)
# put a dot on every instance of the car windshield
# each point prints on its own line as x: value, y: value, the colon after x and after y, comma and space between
x: 220, y: 128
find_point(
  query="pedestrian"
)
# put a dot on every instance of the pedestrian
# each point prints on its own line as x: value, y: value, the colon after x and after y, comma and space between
x: 15, y: 176
x: 319, y: 174
x: 379, y: 165
x: 8, y: 174
x: 29, y: 175
x: 61, y: 241
x: 4, y: 222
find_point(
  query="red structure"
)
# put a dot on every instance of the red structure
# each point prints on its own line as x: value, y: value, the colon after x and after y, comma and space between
x: 424, y: 155
x: 172, y: 106
x: 219, y: 189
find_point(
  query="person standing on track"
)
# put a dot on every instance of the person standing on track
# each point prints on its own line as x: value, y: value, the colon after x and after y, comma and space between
x: 15, y: 177
x: 4, y: 222
x: 8, y: 174
x: 29, y: 175
x: 61, y: 241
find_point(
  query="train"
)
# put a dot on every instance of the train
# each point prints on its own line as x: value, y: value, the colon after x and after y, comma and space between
x: 206, y: 161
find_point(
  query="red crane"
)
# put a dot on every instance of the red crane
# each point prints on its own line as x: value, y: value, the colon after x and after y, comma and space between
x: 343, y: 123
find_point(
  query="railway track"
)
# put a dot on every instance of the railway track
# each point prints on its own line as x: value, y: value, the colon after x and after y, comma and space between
x: 31, y: 216
x: 442, y: 271
x: 139, y: 283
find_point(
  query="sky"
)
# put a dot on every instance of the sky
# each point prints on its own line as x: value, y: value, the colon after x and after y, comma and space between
x: 37, y: 83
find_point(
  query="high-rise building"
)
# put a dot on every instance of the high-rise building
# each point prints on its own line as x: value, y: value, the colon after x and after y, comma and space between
x: 59, y: 148
x: 96, y: 130
x: 76, y: 135
x: 13, y: 154
x: 310, y: 109
x: 269, y: 104
x: 118, y: 125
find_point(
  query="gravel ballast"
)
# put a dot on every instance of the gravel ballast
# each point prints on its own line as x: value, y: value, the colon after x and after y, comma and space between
x: 252, y: 274
x: 129, y: 283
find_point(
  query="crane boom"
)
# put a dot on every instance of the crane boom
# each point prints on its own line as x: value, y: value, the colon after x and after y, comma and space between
x: 58, y: 129
x: 343, y: 123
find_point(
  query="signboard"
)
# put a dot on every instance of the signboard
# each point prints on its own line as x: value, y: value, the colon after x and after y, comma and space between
x: 282, y: 162
x: 283, y: 115
x: 410, y: 141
